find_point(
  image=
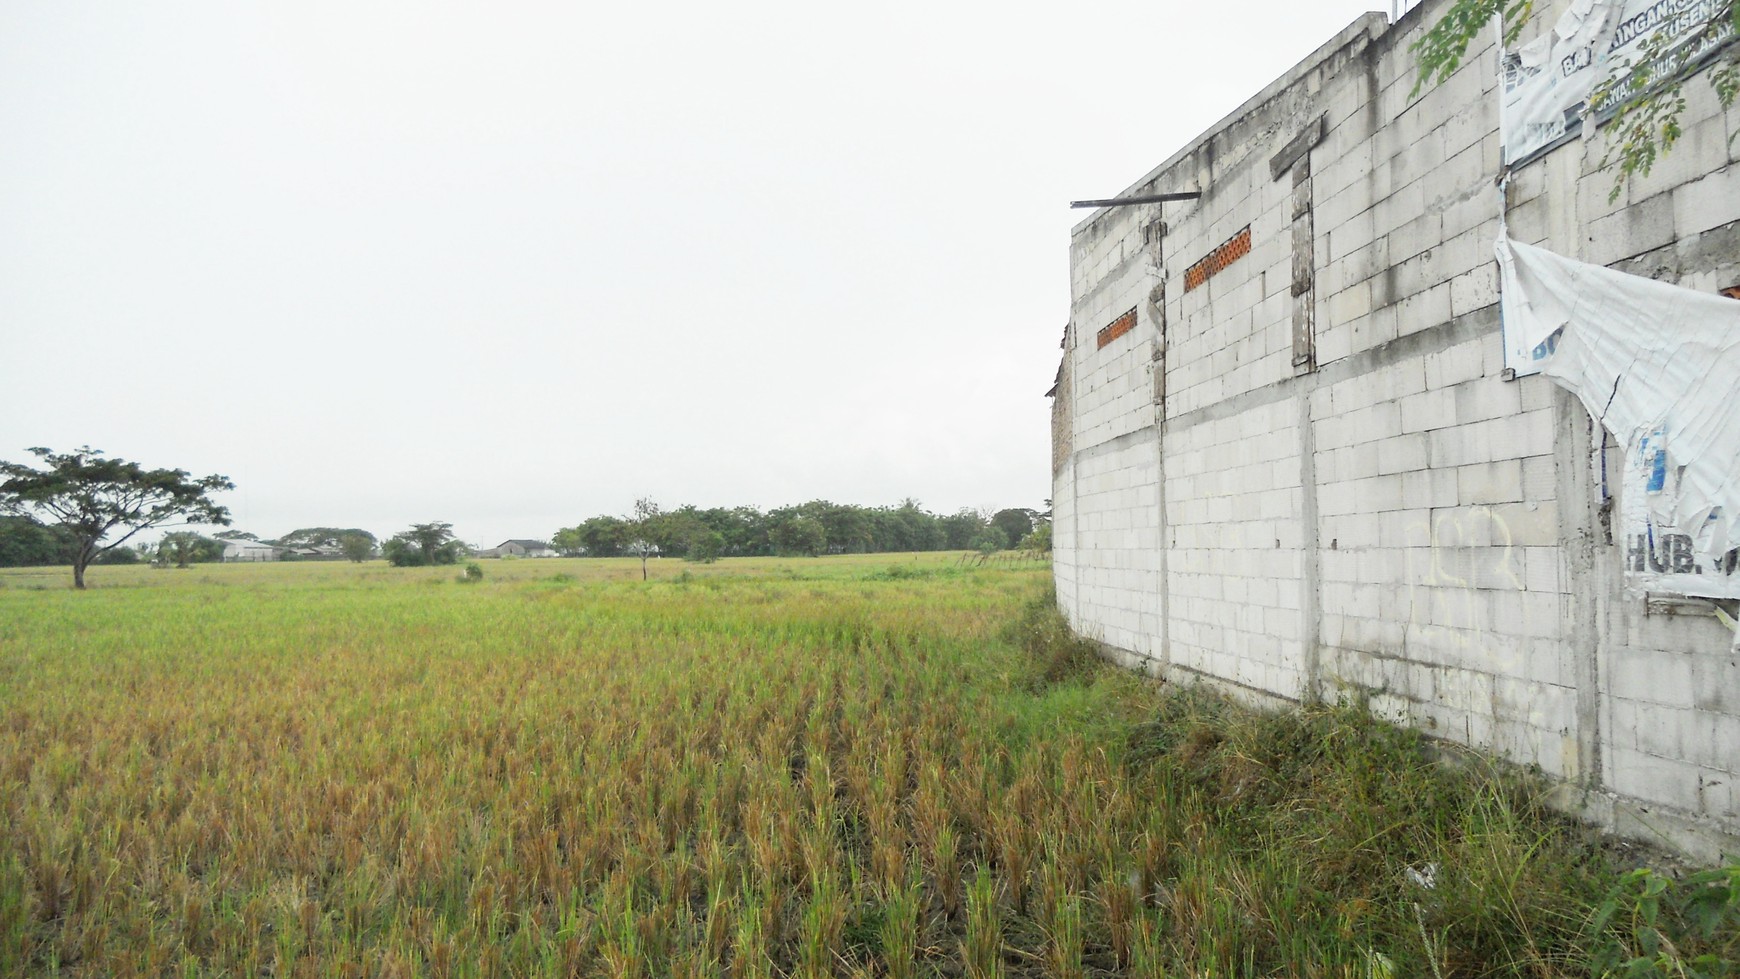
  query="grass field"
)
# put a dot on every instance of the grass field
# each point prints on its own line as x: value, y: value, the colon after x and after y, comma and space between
x: 880, y: 765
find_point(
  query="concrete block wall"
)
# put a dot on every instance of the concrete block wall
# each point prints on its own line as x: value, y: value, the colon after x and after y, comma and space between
x: 1379, y: 510
x: 1235, y: 561
x: 1116, y: 542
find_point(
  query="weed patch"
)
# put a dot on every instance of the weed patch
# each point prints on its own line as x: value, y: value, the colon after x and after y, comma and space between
x: 1345, y: 837
x: 1057, y: 654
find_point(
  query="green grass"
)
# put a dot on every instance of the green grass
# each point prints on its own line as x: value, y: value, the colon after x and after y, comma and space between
x: 878, y: 765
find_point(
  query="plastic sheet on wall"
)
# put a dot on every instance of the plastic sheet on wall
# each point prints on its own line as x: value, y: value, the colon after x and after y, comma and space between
x: 1659, y: 367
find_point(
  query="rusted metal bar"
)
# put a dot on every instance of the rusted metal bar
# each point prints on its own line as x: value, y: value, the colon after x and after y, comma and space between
x: 1144, y: 199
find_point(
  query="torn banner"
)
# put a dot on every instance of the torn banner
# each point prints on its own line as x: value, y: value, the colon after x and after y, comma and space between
x: 1549, y: 84
x: 1546, y: 82
x: 1659, y: 366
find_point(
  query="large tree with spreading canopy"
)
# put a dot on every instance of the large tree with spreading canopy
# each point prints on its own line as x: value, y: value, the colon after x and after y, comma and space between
x: 92, y: 497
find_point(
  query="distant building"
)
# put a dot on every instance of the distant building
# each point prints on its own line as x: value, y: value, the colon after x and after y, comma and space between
x: 250, y: 550
x: 518, y: 548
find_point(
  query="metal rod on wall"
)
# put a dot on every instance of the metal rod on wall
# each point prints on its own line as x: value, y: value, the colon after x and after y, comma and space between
x: 1143, y: 199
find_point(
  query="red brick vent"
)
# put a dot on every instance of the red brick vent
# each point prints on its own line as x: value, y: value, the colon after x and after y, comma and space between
x: 1235, y: 248
x: 1118, y: 327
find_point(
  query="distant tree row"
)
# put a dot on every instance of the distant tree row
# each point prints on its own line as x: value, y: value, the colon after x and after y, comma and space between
x: 27, y: 542
x: 817, y: 527
x: 316, y: 543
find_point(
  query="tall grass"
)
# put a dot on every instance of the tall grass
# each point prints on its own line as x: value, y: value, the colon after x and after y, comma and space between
x: 773, y: 768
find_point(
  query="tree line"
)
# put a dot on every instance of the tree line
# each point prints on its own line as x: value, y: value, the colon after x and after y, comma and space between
x: 813, y: 528
x: 96, y: 503
x: 26, y: 542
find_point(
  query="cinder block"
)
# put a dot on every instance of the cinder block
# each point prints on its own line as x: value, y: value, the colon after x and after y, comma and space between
x: 1650, y: 676
x: 1402, y: 453
x: 1429, y: 488
x: 1357, y: 461
x: 1399, y: 208
x: 1428, y: 410
x: 1646, y: 225
x: 1712, y: 740
x: 1653, y: 778
x: 1424, y: 310
x: 1375, y: 328
x: 1706, y: 203
x: 1539, y: 478
x: 1487, y: 397
x: 1378, y: 421
x: 1490, y: 482
x: 1416, y: 236
x: 1447, y: 448
x: 1543, y: 569
x: 1527, y: 524
x: 1454, y: 365
x: 1473, y: 290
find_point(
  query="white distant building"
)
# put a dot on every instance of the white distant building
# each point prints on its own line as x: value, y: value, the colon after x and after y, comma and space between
x: 250, y: 550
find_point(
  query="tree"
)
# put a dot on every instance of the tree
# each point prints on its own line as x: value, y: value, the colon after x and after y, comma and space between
x: 1014, y: 523
x: 595, y: 537
x: 357, y: 547
x: 990, y: 541
x: 322, y: 537
x: 799, y: 535
x: 686, y: 534
x: 568, y: 542
x: 915, y: 528
x: 92, y: 497
x: 424, y: 544
x: 1647, y: 98
x: 184, y: 548
x: 27, y: 542
x: 745, y: 530
x: 642, y: 529
x: 961, y: 529
x: 1039, y: 540
x: 704, y: 546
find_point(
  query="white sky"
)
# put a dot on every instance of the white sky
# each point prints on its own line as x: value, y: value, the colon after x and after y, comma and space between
x: 511, y: 265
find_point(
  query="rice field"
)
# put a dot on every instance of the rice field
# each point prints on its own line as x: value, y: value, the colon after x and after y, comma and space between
x: 870, y: 766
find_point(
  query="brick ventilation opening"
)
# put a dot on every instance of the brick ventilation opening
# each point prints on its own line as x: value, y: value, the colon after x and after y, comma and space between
x: 1235, y: 248
x: 1118, y: 327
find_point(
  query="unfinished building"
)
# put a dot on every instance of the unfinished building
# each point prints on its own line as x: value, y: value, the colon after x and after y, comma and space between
x: 1299, y: 453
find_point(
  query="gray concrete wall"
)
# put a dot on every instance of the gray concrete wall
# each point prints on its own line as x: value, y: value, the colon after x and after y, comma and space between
x: 1306, y: 475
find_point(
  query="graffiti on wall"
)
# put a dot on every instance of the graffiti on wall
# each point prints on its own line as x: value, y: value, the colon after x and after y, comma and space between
x: 1452, y: 559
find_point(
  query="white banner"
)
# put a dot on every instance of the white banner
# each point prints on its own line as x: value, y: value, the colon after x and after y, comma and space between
x: 1683, y: 23
x: 1546, y: 83
x: 1659, y: 367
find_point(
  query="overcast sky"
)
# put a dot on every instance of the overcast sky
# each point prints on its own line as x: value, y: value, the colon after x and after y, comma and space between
x: 511, y: 265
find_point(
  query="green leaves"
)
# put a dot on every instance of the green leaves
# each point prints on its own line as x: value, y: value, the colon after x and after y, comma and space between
x: 1441, y: 48
x: 1629, y: 932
